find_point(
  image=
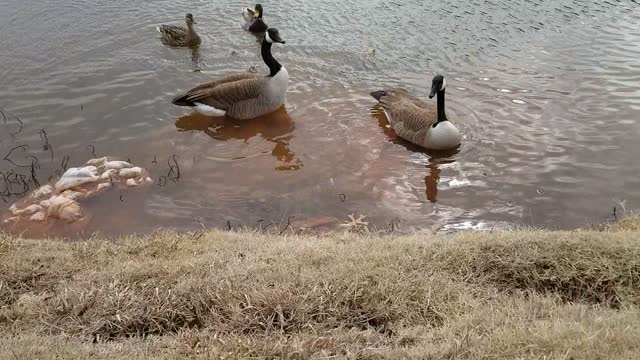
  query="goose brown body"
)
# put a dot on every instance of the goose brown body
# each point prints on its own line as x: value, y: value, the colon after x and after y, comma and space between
x: 409, y: 116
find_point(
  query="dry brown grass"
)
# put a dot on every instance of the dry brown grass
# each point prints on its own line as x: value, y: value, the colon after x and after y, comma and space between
x: 504, y: 295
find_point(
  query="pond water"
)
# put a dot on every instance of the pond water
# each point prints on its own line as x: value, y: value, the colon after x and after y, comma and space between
x: 546, y: 94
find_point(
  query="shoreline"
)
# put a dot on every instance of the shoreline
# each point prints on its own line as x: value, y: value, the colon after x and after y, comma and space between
x: 469, y: 295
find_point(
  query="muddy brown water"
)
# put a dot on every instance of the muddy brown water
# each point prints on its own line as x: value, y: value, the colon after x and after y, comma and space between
x: 546, y: 93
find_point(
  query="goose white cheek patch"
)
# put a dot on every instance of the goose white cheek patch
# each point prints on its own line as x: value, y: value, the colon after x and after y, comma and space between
x: 268, y: 38
x: 444, y: 84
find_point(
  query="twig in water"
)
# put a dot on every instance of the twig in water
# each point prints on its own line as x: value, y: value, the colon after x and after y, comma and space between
x: 121, y: 197
x: 160, y: 181
x: 4, y: 117
x: 33, y: 174
x: 229, y: 224
x: 155, y: 160
x: 343, y: 197
x: 93, y: 150
x: 65, y: 162
x: 23, y: 148
x: 174, y: 170
x: 45, y: 143
x: 45, y: 140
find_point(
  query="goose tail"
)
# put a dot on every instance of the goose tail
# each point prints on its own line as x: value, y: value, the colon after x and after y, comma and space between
x: 182, y: 100
x: 378, y: 94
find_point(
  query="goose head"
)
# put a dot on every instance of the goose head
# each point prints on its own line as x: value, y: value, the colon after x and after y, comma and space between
x: 273, y: 36
x: 189, y: 19
x: 437, y: 84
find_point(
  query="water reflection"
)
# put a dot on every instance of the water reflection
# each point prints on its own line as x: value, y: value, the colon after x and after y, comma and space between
x: 433, y: 177
x: 431, y: 180
x: 195, y: 58
x: 436, y: 157
x: 276, y: 127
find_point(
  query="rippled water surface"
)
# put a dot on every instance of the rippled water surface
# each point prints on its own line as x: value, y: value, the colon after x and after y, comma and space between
x: 546, y: 93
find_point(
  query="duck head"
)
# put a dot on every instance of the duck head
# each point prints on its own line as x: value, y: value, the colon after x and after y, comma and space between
x: 189, y: 19
x: 258, y: 11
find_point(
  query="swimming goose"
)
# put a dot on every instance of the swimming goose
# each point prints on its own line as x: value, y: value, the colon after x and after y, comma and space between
x: 253, y: 22
x: 416, y: 120
x: 178, y: 36
x: 242, y: 96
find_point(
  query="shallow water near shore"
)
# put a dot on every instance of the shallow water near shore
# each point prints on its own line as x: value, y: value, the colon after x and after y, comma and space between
x: 546, y: 94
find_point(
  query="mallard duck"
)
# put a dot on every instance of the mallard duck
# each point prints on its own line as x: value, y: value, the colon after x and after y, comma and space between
x: 418, y: 121
x: 253, y: 22
x: 177, y: 36
x: 245, y: 95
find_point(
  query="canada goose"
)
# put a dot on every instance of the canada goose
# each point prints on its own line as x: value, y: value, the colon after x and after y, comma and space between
x: 178, y: 36
x: 242, y: 96
x: 416, y: 120
x: 253, y: 22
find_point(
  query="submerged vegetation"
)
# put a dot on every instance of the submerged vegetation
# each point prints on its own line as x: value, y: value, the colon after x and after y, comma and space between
x: 471, y: 295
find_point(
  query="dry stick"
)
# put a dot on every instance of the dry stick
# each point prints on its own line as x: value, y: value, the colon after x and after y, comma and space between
x: 288, y: 224
x: 266, y: 227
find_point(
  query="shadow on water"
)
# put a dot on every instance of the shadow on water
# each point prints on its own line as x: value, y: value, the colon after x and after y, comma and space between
x: 276, y: 127
x: 436, y: 157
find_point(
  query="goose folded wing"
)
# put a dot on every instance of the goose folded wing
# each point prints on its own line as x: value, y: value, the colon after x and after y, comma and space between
x: 224, y: 80
x: 408, y: 111
x: 225, y: 95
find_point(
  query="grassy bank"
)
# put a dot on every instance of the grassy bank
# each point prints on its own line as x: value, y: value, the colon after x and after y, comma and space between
x: 503, y: 295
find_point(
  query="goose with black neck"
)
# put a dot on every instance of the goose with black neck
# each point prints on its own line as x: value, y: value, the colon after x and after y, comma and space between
x: 418, y: 121
x: 245, y: 95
